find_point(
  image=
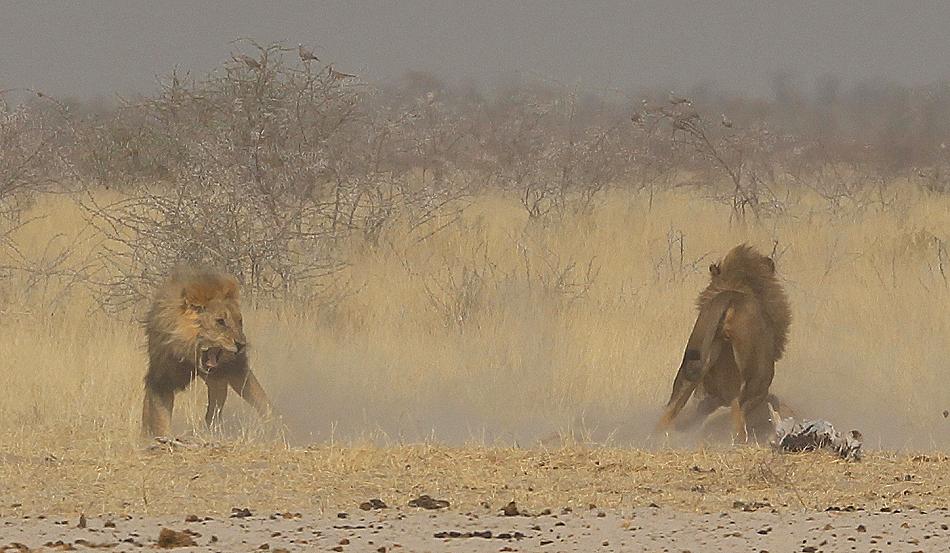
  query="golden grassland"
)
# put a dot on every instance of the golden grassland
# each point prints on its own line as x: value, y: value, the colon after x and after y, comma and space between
x: 489, y: 336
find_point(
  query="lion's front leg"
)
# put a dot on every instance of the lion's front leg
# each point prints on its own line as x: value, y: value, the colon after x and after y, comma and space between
x: 217, y: 394
x: 247, y: 386
x: 157, y: 412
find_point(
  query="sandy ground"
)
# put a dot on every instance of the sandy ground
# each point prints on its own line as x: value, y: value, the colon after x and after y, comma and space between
x: 246, y: 497
x: 643, y: 529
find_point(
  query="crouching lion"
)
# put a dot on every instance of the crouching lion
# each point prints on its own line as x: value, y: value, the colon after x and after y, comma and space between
x: 194, y: 328
x: 739, y: 334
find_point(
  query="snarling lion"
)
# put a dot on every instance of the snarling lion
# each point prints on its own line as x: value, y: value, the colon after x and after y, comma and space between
x: 194, y: 328
x: 740, y: 333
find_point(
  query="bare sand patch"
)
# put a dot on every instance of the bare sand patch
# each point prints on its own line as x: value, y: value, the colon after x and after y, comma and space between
x: 639, y: 529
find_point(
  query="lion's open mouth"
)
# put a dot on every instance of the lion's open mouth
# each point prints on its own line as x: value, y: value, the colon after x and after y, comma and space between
x: 211, y: 357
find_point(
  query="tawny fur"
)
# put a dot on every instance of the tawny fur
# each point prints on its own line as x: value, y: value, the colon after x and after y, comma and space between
x: 746, y: 270
x: 740, y: 332
x: 195, y: 329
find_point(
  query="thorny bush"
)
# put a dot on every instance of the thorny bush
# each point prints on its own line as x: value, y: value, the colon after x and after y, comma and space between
x: 262, y: 169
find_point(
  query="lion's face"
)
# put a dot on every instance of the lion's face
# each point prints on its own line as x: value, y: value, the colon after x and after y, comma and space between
x: 212, y: 318
x: 220, y: 331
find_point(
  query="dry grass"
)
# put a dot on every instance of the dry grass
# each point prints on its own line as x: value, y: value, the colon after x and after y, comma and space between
x: 331, y: 479
x: 500, y: 330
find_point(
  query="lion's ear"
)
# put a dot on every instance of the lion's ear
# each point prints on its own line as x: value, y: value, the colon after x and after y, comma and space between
x: 714, y: 269
x: 231, y: 288
x: 191, y: 303
x: 770, y: 265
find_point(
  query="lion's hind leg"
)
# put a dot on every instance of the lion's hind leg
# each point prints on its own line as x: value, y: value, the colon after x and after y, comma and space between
x: 706, y: 406
x: 755, y: 393
x: 760, y: 421
x: 740, y: 433
x: 680, y: 396
x: 706, y: 343
x: 690, y: 375
x: 756, y: 371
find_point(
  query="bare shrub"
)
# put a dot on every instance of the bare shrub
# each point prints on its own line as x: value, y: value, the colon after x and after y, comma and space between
x: 743, y: 156
x: 30, y: 160
x: 264, y: 169
x: 675, y: 265
x: 457, y: 291
x: 936, y: 177
x: 848, y: 188
x: 552, y: 277
x: 558, y: 151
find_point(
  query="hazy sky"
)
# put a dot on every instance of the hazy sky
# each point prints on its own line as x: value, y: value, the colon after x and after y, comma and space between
x: 85, y: 48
